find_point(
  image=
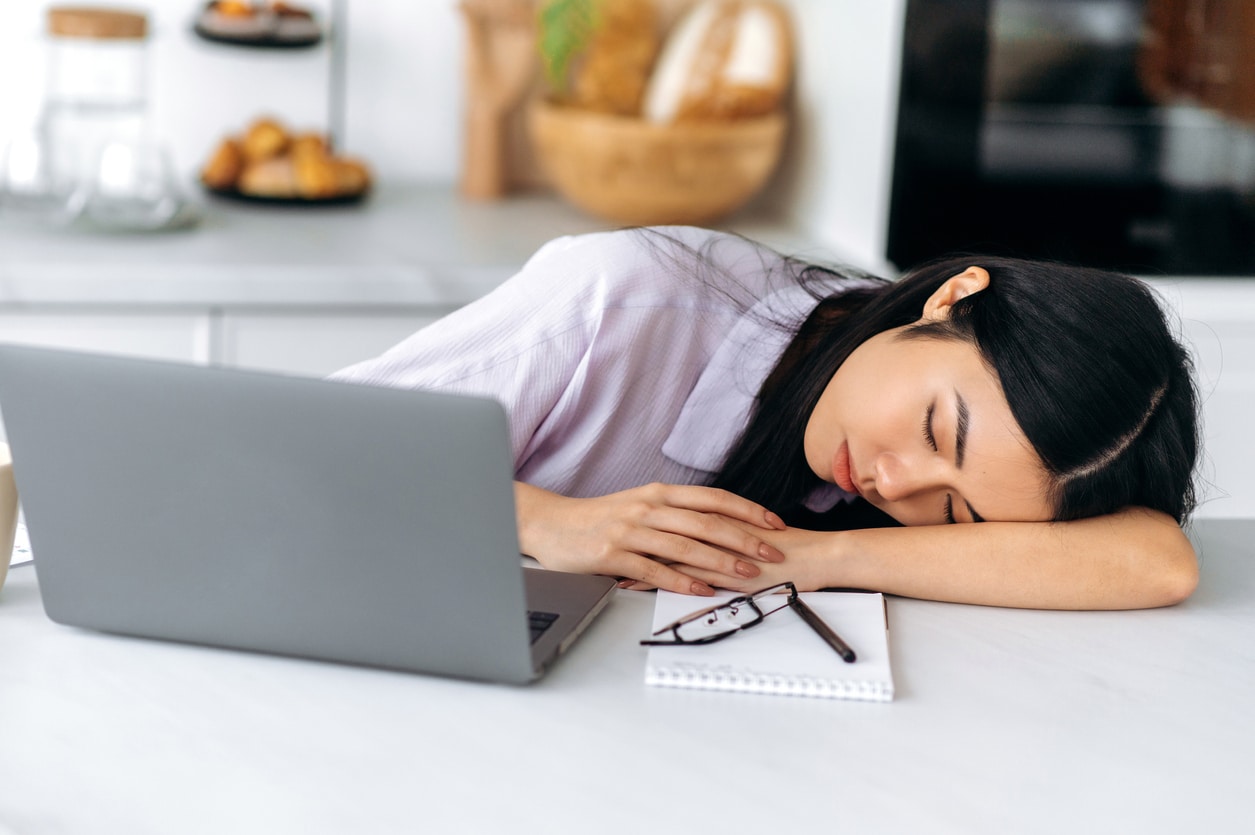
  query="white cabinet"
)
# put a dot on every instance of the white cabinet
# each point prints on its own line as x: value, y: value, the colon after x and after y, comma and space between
x: 174, y: 336
x: 312, y: 344
x: 292, y: 342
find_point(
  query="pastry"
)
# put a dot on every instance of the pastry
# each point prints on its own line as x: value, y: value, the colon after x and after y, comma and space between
x: 270, y: 162
x: 725, y: 59
x: 258, y: 24
x: 309, y: 143
x: 235, y: 20
x: 352, y: 176
x: 264, y: 139
x: 315, y: 175
x: 275, y: 177
x: 294, y: 24
x: 224, y: 166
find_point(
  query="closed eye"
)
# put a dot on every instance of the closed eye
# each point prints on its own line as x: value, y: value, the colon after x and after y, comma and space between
x: 928, y: 427
x: 949, y: 512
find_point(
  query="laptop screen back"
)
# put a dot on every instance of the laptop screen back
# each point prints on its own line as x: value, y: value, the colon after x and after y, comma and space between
x: 256, y: 511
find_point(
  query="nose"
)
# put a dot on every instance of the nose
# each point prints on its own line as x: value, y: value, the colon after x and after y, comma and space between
x: 899, y: 478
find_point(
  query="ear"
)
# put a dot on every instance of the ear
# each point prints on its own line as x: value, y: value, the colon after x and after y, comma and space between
x: 972, y: 280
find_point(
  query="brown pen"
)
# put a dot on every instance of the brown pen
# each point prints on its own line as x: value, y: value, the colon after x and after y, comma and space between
x: 825, y: 631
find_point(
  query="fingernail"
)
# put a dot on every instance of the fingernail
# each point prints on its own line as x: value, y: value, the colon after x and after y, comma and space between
x: 775, y: 521
x: 625, y: 584
x: 701, y: 588
x: 770, y: 553
x: 747, y: 570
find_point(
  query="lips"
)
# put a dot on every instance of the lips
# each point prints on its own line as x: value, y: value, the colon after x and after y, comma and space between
x: 843, y: 470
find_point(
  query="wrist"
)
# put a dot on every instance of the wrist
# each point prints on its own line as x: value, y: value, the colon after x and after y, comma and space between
x: 533, y: 507
x: 817, y: 559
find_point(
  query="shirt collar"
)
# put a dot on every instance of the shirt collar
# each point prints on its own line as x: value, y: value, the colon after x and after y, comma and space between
x: 720, y: 405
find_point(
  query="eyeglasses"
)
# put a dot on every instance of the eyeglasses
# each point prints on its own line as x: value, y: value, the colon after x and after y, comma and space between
x: 718, y: 622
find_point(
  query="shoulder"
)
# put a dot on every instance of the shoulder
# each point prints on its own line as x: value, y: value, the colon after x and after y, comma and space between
x: 671, y: 266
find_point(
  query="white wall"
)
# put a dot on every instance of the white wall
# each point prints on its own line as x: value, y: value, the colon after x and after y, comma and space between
x: 836, y: 186
x: 405, y: 97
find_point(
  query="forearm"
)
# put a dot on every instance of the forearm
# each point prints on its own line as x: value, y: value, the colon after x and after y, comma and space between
x: 1134, y: 559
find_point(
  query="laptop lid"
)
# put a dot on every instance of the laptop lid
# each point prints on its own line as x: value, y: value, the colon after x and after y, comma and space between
x: 280, y: 514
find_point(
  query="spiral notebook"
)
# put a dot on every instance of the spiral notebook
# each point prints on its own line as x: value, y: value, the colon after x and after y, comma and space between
x: 782, y: 655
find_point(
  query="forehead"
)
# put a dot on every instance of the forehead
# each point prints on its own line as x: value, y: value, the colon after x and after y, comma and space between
x: 1002, y: 476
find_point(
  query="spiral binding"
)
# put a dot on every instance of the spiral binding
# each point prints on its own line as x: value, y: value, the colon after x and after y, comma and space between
x: 745, y: 681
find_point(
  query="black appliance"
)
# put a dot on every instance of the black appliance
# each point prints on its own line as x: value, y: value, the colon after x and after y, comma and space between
x: 1113, y: 133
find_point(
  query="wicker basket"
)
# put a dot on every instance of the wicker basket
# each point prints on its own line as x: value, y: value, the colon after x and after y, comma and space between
x: 636, y: 172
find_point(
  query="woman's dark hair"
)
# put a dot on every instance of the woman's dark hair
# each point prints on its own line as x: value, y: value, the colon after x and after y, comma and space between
x: 1090, y: 369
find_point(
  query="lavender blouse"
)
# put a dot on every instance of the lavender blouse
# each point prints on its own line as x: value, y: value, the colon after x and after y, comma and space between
x: 620, y: 360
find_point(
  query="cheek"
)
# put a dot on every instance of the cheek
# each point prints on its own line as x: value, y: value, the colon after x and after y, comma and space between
x: 817, y: 438
x: 827, y: 426
x: 1014, y: 491
x: 891, y: 412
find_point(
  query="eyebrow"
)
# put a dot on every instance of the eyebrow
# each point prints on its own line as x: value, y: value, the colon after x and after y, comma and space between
x: 963, y: 423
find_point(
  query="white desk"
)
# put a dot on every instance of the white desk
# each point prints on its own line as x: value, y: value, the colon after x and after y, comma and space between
x: 1006, y: 721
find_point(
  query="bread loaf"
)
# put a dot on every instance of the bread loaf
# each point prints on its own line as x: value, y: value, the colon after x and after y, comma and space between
x: 610, y: 73
x: 724, y: 59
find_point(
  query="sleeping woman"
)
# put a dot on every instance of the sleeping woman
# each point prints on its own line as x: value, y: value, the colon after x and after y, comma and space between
x: 690, y: 410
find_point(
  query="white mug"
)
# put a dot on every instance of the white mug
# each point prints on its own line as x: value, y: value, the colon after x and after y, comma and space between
x: 8, y: 510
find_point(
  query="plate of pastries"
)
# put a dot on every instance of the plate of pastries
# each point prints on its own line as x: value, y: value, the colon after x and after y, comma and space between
x: 266, y: 24
x: 269, y: 163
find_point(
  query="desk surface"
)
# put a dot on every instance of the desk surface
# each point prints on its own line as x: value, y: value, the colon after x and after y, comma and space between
x: 1005, y: 721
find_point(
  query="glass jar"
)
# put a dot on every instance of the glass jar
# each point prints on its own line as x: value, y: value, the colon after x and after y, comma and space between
x: 96, y: 95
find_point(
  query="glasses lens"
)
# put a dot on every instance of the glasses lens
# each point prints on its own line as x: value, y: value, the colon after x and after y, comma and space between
x: 719, y: 621
x: 772, y: 599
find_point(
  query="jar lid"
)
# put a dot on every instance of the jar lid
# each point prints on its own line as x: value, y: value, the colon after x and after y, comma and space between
x: 96, y: 22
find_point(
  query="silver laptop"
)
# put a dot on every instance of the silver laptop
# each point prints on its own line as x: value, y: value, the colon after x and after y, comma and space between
x: 295, y: 516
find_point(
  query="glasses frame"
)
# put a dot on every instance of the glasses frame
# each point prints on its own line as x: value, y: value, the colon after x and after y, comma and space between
x: 742, y: 600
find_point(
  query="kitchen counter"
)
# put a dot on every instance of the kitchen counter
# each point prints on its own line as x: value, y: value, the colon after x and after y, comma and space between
x: 415, y: 246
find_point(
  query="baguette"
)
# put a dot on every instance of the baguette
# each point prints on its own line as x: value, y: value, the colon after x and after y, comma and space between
x: 725, y: 59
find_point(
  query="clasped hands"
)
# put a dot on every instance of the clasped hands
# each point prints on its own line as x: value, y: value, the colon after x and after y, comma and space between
x: 683, y: 538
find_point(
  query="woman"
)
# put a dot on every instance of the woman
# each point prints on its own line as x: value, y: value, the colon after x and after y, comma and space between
x: 690, y: 410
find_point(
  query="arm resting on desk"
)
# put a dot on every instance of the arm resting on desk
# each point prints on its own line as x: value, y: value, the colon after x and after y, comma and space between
x: 1133, y: 559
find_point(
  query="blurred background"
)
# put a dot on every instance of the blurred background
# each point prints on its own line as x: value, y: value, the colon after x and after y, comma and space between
x: 405, y: 96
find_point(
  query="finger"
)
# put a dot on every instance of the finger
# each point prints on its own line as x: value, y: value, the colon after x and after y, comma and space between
x: 715, y: 500
x: 668, y: 547
x: 714, y: 529
x: 654, y: 574
x: 635, y: 585
x: 740, y: 584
